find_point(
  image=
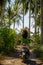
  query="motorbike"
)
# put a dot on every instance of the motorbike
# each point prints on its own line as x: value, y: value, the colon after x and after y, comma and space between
x: 25, y: 52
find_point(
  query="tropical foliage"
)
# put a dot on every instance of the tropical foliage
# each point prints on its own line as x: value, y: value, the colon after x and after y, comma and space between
x: 12, y: 13
x: 7, y: 39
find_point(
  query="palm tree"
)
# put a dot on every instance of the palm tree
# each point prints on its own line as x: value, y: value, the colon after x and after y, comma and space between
x: 35, y: 16
x: 41, y: 2
x: 36, y: 12
x: 14, y: 23
x: 2, y: 5
x: 17, y: 12
x: 24, y: 8
x: 35, y: 8
x: 9, y: 13
x: 29, y: 18
x: 22, y: 2
x: 23, y: 14
x: 2, y: 8
x: 13, y: 14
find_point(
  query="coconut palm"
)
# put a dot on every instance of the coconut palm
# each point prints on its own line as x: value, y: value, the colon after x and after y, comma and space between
x: 16, y: 11
x: 2, y: 6
x: 9, y: 13
x: 35, y: 11
x: 35, y: 15
x: 24, y: 8
x: 2, y: 9
x: 13, y: 14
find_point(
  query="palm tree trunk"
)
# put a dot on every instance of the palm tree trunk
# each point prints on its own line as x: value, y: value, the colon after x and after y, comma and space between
x: 41, y: 2
x: 23, y: 14
x: 9, y: 21
x: 35, y: 17
x: 14, y: 26
x: 38, y: 30
x: 2, y: 14
x: 29, y: 18
x: 9, y: 16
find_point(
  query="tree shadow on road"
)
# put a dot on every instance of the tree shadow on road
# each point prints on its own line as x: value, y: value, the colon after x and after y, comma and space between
x: 14, y: 53
x: 30, y: 62
x: 0, y: 64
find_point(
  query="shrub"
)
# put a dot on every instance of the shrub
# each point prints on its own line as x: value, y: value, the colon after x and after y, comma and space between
x: 8, y: 39
x: 39, y: 51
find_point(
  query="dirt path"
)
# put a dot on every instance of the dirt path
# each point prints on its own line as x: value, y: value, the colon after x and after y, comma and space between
x: 12, y: 61
x: 16, y: 60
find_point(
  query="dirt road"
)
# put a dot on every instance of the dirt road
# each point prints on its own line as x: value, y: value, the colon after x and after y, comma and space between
x: 16, y: 60
x: 12, y: 61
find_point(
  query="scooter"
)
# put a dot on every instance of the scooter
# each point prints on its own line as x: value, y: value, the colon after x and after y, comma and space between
x: 25, y: 52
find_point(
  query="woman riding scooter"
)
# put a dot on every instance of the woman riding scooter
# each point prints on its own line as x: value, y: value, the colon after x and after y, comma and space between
x: 25, y: 47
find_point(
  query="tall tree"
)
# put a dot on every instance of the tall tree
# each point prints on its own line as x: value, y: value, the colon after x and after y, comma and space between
x: 29, y: 18
x: 41, y: 2
x: 24, y: 8
x: 9, y: 13
x: 2, y: 8
x: 23, y: 14
x: 35, y: 16
x: 35, y: 11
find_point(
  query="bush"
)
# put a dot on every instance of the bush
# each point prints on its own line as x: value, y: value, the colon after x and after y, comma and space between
x: 39, y: 51
x: 37, y: 39
x: 8, y: 38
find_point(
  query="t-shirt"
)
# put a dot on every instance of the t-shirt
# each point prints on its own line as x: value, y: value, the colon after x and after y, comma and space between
x: 25, y: 41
